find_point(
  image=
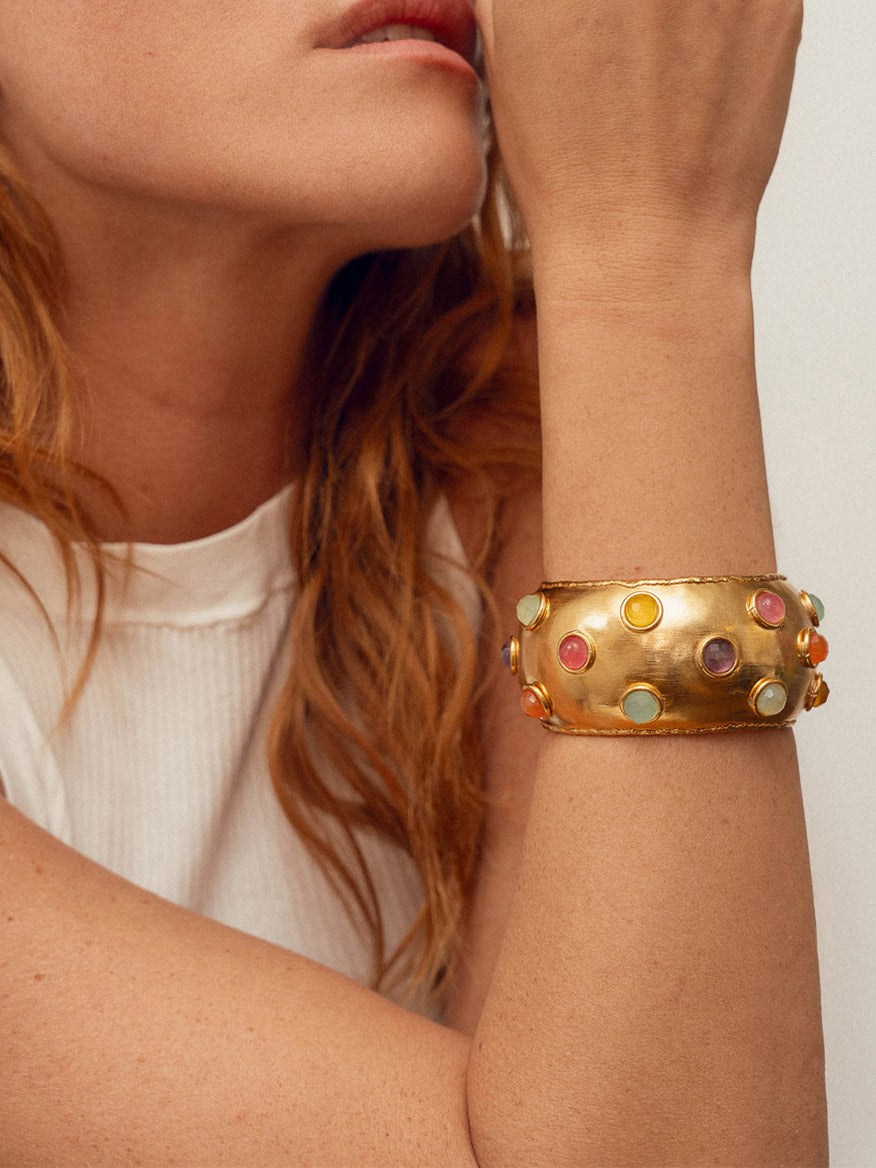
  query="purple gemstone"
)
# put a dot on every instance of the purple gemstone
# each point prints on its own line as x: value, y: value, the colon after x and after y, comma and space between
x: 719, y: 655
x: 506, y: 654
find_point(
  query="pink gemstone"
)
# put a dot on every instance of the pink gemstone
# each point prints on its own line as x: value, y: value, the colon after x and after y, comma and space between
x: 719, y: 656
x: 574, y: 652
x: 770, y: 608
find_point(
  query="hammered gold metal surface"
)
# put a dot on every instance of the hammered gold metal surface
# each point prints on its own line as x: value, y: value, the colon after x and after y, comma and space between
x: 665, y: 657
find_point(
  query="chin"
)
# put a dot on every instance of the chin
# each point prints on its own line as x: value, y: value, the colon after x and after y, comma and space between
x: 437, y: 217
x: 424, y: 203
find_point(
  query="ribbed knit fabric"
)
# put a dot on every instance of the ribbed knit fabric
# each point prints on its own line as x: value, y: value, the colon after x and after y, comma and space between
x: 161, y: 774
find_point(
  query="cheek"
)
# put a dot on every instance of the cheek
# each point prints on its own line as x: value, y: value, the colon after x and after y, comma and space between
x: 246, y: 125
x: 78, y: 97
x: 105, y: 89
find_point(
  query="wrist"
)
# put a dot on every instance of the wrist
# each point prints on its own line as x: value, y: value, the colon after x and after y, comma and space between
x: 641, y: 259
x: 653, y: 462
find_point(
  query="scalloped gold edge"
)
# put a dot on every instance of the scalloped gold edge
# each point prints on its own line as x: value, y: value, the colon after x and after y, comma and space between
x: 646, y: 583
x: 580, y: 732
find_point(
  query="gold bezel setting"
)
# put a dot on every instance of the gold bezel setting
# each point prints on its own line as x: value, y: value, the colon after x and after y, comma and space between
x: 811, y: 611
x: 536, y: 688
x: 642, y: 687
x: 591, y: 651
x: 641, y: 628
x: 707, y: 640
x: 544, y: 606
x: 812, y: 692
x: 751, y: 605
x: 803, y: 638
x: 818, y: 693
x: 804, y: 647
x: 758, y: 688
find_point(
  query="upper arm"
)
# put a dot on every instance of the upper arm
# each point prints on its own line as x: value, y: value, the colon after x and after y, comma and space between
x: 132, y: 1030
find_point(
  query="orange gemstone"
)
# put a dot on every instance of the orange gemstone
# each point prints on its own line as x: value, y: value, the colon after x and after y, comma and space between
x: 531, y: 704
x: 821, y: 696
x: 818, y: 648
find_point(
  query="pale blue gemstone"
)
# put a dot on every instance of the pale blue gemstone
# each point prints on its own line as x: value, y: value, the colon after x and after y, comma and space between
x: 640, y: 705
x: 528, y: 608
x: 817, y: 605
x: 771, y: 699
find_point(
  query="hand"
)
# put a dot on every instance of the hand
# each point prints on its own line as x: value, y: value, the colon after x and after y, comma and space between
x: 613, y: 114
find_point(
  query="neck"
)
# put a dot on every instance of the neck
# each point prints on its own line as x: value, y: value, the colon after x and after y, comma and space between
x: 191, y: 338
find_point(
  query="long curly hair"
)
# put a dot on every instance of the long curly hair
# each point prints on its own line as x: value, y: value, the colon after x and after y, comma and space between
x: 414, y: 350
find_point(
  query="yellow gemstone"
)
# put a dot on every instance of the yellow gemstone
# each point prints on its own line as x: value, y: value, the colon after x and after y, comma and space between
x: 641, y: 610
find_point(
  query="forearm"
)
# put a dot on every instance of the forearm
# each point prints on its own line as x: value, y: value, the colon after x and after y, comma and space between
x: 656, y: 999
x: 653, y: 456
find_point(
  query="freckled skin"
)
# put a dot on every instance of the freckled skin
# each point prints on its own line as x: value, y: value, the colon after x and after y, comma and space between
x: 233, y: 105
x: 208, y: 167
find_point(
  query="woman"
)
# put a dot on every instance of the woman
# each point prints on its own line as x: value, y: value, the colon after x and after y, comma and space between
x: 632, y: 980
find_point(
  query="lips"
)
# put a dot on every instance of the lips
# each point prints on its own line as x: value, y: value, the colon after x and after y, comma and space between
x: 451, y: 22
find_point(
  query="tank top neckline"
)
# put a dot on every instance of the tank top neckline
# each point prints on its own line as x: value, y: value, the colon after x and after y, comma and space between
x: 221, y: 577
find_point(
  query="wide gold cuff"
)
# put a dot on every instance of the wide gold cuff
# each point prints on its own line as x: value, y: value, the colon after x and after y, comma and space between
x: 684, y: 656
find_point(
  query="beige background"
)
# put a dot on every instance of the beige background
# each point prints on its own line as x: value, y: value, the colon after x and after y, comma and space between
x: 815, y: 289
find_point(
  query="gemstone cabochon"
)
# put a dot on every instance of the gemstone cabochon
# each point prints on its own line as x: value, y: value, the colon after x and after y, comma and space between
x: 640, y: 706
x: 818, y: 648
x: 719, y: 656
x: 528, y: 608
x: 641, y: 611
x: 770, y: 609
x: 574, y: 653
x: 771, y: 699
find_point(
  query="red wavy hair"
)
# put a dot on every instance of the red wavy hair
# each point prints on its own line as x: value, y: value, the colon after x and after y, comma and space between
x: 411, y: 347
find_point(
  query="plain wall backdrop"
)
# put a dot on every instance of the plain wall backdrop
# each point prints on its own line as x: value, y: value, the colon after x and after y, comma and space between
x: 815, y: 301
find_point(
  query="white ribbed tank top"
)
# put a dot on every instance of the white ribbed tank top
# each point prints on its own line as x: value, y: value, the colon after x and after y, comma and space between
x: 161, y: 775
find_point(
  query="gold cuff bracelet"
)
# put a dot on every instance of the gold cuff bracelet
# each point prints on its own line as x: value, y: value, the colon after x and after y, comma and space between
x: 685, y: 656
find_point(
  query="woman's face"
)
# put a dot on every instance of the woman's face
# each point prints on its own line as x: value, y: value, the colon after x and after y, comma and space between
x: 236, y: 105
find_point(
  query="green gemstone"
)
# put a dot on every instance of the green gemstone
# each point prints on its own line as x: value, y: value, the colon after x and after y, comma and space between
x: 640, y: 705
x: 771, y: 699
x: 817, y: 605
x: 528, y: 608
